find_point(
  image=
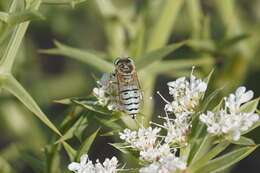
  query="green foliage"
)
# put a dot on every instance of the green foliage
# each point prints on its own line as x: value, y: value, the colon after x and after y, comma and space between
x: 168, y: 42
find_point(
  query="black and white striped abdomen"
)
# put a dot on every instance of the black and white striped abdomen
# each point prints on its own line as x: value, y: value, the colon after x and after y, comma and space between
x: 130, y: 99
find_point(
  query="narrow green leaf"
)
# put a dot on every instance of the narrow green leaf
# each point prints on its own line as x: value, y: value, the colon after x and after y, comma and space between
x: 4, y: 17
x: 111, y: 133
x: 86, y: 57
x: 208, y: 78
x: 244, y: 141
x: 170, y: 65
x: 157, y: 55
x: 24, y: 16
x: 208, y: 156
x: 66, y: 101
x: 34, y: 162
x: 62, y: 2
x: 209, y: 99
x: 70, y: 151
x: 202, y: 148
x: 226, y: 160
x: 81, y: 122
x: 195, y: 15
x: 202, y: 45
x: 85, y: 146
x: 232, y: 41
x: 137, y: 44
x: 250, y: 106
x: 90, y: 104
x: 14, y: 87
x: 7, y: 61
x: 164, y: 24
x: 4, y: 166
x: 108, y: 123
x: 52, y: 158
x: 121, y: 147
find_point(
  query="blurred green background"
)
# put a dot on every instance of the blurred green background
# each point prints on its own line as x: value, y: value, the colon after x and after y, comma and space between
x: 221, y: 34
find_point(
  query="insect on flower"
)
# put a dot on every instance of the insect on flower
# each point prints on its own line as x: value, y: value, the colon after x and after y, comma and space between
x: 129, y: 91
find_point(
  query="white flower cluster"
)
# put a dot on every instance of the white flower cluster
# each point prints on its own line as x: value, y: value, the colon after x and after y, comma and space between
x: 86, y: 166
x: 186, y: 94
x: 106, y: 92
x: 231, y: 120
x: 160, y: 157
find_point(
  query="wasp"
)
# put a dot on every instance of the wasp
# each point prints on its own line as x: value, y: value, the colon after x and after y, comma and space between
x: 128, y: 86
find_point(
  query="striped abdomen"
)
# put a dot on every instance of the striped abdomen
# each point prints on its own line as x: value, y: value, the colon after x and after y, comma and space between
x: 130, y: 98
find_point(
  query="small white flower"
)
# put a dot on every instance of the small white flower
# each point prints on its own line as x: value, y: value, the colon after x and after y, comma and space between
x: 230, y: 121
x: 142, y: 139
x: 152, y: 168
x: 154, y: 154
x: 108, y: 166
x: 167, y: 164
x: 86, y: 166
x: 234, y: 101
x: 105, y: 92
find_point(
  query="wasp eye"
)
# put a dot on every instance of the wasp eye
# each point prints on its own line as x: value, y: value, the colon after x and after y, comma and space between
x: 130, y: 60
x: 116, y: 61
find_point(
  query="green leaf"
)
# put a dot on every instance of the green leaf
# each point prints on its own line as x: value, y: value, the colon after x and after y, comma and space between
x: 85, y: 146
x: 4, y: 166
x: 250, y: 106
x: 201, y: 149
x: 109, y: 123
x: 208, y: 78
x: 244, y: 141
x: 226, y: 160
x: 208, y: 156
x: 157, y: 55
x: 111, y: 133
x: 14, y: 87
x: 80, y: 123
x: 86, y: 57
x: 209, y: 99
x: 70, y: 151
x: 34, y: 162
x: 174, y: 65
x: 7, y: 61
x: 121, y: 147
x: 52, y: 158
x: 90, y: 104
x: 232, y: 41
x: 20, y: 17
x: 24, y: 16
x: 163, y: 27
x: 4, y: 17
x: 202, y: 45
x: 62, y: 2
x: 195, y: 15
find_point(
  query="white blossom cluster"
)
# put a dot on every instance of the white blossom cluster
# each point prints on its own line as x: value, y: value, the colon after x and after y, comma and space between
x: 186, y: 95
x: 87, y: 166
x: 160, y: 157
x: 105, y: 92
x: 231, y: 120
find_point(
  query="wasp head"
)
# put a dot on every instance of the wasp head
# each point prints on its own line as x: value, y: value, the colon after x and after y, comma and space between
x: 124, y: 65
